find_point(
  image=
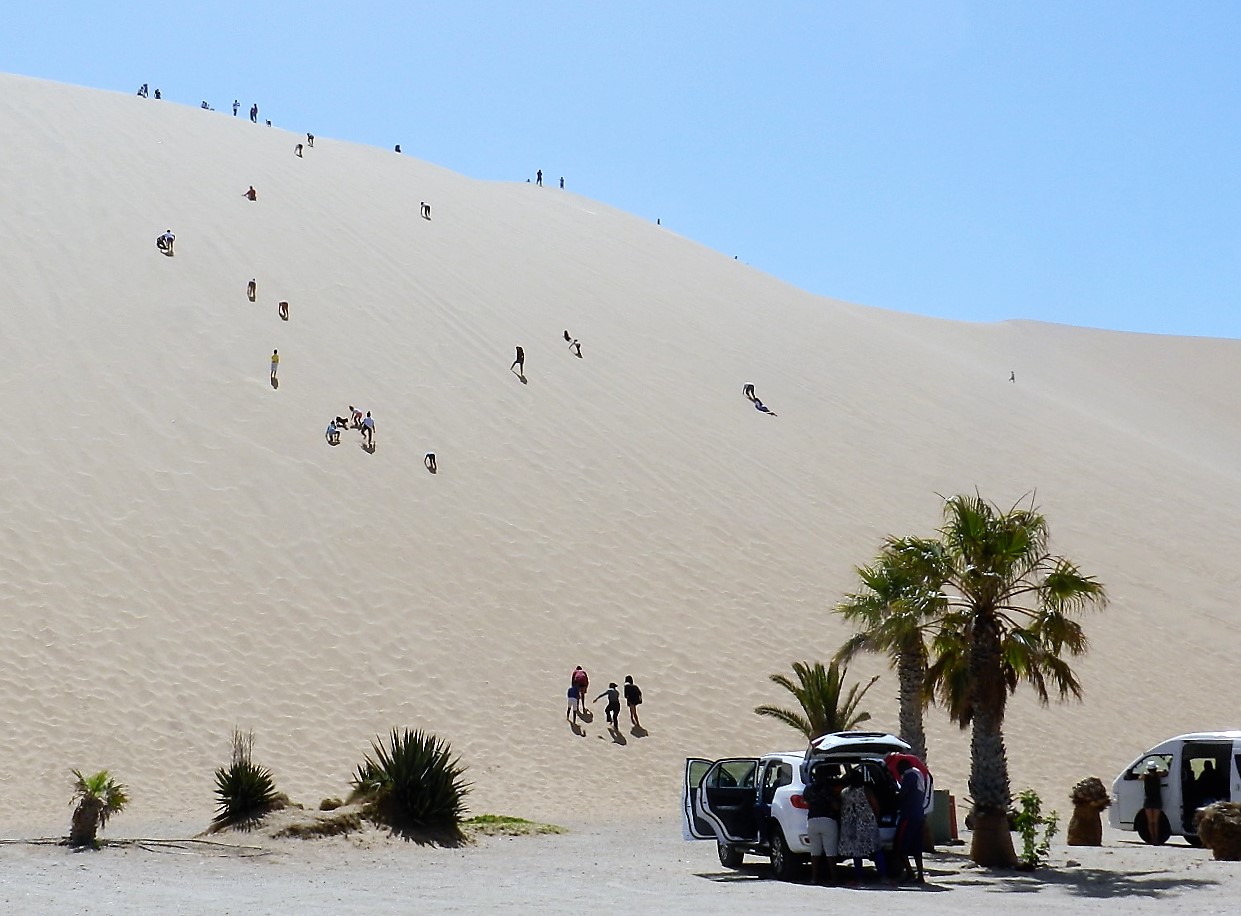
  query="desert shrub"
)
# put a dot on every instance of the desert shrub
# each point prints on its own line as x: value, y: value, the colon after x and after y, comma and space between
x: 1026, y: 821
x: 99, y: 796
x: 246, y: 791
x: 413, y: 786
x: 1219, y: 828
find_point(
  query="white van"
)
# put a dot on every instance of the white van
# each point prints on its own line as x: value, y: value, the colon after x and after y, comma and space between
x: 1196, y: 770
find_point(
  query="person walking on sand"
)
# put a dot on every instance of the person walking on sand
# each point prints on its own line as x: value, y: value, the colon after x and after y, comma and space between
x: 519, y: 363
x: 297, y: 151
x: 576, y: 347
x: 1012, y: 375
x: 570, y: 713
x: 252, y: 290
x: 612, y: 711
x: 581, y: 681
x: 368, y: 430
x: 748, y: 390
x: 633, y: 699
x: 538, y: 179
x: 275, y: 363
x: 562, y: 183
x: 310, y: 140
x: 254, y: 113
x: 236, y: 105
x: 283, y: 309
x: 251, y: 194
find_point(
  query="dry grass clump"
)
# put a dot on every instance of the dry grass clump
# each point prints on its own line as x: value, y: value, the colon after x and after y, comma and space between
x: 1219, y: 828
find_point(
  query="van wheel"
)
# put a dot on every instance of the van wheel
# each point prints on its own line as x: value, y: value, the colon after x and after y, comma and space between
x: 783, y: 862
x: 730, y: 856
x: 1165, y: 829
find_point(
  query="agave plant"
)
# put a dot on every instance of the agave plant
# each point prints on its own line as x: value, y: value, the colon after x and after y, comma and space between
x: 246, y: 790
x: 413, y: 785
x: 99, y: 796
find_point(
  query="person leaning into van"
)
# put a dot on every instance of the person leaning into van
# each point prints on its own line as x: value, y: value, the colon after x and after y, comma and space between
x: 1153, y: 806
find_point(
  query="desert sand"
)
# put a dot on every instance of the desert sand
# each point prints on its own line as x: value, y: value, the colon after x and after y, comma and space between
x: 184, y: 553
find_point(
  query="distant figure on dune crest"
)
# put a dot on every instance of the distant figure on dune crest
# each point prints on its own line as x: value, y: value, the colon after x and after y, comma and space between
x: 519, y: 363
x: 164, y: 242
x: 397, y: 148
x: 254, y: 113
x: 283, y: 310
x: 633, y: 699
x: 269, y: 122
x: 429, y: 461
x: 581, y: 681
x: 157, y: 95
x: 368, y: 430
x: 297, y: 151
x: 333, y: 434
x: 763, y: 408
x: 538, y: 178
x: 252, y: 290
x: 748, y: 390
x: 1012, y: 376
x: 251, y: 194
x: 562, y: 184
x: 310, y: 140
x: 142, y: 90
x: 205, y: 107
x: 236, y: 105
x: 275, y: 364
x: 612, y: 711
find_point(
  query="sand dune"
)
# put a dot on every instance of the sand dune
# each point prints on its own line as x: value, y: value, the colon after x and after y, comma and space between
x: 183, y: 552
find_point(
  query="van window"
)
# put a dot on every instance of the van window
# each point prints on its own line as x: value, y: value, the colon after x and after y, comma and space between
x: 777, y: 775
x: 1163, y: 761
x: 733, y: 774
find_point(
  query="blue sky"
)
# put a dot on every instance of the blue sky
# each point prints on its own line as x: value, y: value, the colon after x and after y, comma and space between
x: 1074, y: 162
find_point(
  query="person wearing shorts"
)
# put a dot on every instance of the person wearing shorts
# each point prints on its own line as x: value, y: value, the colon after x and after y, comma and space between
x: 823, y: 820
x: 570, y: 713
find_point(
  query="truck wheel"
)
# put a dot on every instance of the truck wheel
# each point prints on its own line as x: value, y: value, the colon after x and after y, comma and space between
x: 783, y: 862
x: 730, y: 856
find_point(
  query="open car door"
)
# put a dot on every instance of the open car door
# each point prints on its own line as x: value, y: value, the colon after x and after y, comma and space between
x: 726, y: 798
x: 694, y: 827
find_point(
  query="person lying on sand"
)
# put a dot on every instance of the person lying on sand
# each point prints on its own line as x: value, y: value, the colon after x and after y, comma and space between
x: 760, y: 406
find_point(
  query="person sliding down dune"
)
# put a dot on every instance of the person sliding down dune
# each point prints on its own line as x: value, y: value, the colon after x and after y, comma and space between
x: 763, y: 408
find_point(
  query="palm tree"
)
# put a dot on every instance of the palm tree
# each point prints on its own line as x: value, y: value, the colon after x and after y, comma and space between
x: 99, y: 796
x: 1008, y: 620
x: 818, y: 691
x: 895, y: 613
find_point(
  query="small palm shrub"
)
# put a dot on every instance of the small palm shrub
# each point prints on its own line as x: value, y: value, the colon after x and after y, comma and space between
x: 1219, y: 828
x: 413, y: 786
x: 246, y: 791
x: 1027, y: 819
x: 99, y: 796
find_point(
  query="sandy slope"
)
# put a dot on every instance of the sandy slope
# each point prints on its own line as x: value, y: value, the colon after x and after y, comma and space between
x: 182, y: 551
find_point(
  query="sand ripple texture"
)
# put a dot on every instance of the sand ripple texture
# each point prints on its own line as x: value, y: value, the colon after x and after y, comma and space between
x: 183, y: 553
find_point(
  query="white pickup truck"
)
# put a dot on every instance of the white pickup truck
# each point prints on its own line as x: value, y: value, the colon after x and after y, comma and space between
x: 754, y: 804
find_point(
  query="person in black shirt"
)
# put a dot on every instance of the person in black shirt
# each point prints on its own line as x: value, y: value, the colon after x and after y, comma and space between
x: 822, y: 798
x: 633, y: 699
x: 1153, y: 807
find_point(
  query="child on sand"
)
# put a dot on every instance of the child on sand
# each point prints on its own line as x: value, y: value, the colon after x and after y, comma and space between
x: 275, y: 364
x: 333, y: 433
x: 612, y: 710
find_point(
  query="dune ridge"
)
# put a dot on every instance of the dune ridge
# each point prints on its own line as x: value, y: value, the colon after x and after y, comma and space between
x: 183, y: 552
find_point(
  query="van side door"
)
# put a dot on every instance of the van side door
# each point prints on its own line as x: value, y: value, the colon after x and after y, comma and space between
x: 726, y: 797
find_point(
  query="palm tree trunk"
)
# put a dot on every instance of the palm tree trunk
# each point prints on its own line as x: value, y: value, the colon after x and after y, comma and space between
x: 992, y: 844
x: 911, y: 671
x: 85, y: 823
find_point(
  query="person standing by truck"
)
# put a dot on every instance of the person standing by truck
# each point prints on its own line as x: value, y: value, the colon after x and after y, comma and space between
x: 822, y: 798
x: 1152, y: 809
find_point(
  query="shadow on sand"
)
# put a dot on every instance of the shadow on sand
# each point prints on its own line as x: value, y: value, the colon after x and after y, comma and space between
x: 275, y: 382
x: 638, y: 731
